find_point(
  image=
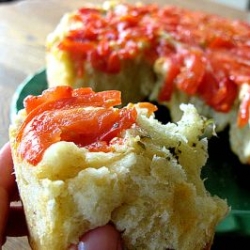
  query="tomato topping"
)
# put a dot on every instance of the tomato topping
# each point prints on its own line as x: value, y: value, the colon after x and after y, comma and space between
x: 190, y: 77
x: 216, y: 57
x: 173, y: 69
x: 60, y: 114
x: 218, y: 93
x: 244, y: 113
x: 221, y: 42
x: 63, y: 97
x: 49, y: 95
x: 149, y: 106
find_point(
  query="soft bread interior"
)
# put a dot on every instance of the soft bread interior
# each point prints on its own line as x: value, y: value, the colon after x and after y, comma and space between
x: 150, y: 188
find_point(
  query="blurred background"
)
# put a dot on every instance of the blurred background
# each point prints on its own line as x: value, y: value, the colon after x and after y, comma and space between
x: 238, y: 4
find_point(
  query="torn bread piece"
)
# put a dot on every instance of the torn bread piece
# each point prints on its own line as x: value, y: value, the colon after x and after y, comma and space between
x: 81, y: 163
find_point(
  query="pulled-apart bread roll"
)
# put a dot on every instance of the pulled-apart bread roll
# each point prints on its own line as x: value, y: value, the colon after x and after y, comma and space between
x: 81, y: 163
x: 166, y: 53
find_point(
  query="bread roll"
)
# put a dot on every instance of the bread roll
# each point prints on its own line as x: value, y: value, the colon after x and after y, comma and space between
x: 147, y: 182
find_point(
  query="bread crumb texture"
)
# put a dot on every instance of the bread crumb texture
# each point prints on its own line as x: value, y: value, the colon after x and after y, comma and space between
x: 149, y: 188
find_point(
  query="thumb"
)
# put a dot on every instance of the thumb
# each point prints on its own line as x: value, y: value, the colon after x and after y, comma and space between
x: 104, y: 238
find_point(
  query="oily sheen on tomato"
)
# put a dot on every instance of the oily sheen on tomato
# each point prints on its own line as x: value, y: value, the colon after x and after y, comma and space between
x: 206, y: 53
x: 81, y: 116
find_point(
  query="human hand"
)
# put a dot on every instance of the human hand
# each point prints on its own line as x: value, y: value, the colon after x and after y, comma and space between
x: 12, y: 219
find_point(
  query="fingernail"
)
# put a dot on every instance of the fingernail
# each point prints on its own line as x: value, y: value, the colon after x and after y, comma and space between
x: 106, y: 237
x: 81, y: 246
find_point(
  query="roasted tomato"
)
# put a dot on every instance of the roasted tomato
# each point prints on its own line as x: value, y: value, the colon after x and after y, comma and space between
x: 173, y: 66
x: 213, y: 52
x: 192, y: 71
x: 81, y: 116
x: 244, y: 111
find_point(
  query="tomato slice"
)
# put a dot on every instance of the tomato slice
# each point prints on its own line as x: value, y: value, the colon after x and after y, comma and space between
x: 49, y: 95
x: 64, y: 117
x: 219, y: 94
x: 149, y: 106
x: 114, y: 63
x: 81, y: 126
x: 221, y: 42
x: 244, y: 111
x: 77, y: 48
x: 218, y: 89
x: 173, y: 64
x: 64, y: 97
x: 192, y: 73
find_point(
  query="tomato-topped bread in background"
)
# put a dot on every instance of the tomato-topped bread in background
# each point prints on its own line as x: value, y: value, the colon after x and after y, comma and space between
x: 80, y: 163
x: 170, y: 54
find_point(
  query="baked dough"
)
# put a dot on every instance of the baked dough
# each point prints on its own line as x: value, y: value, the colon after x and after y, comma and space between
x: 168, y: 54
x: 148, y: 185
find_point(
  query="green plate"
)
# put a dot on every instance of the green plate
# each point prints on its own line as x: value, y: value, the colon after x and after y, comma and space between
x: 225, y: 175
x: 32, y: 85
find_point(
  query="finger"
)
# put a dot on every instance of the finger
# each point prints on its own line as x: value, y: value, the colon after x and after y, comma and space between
x: 7, y: 177
x: 106, y: 238
x: 7, y: 184
x: 16, y: 224
x: 4, y: 207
